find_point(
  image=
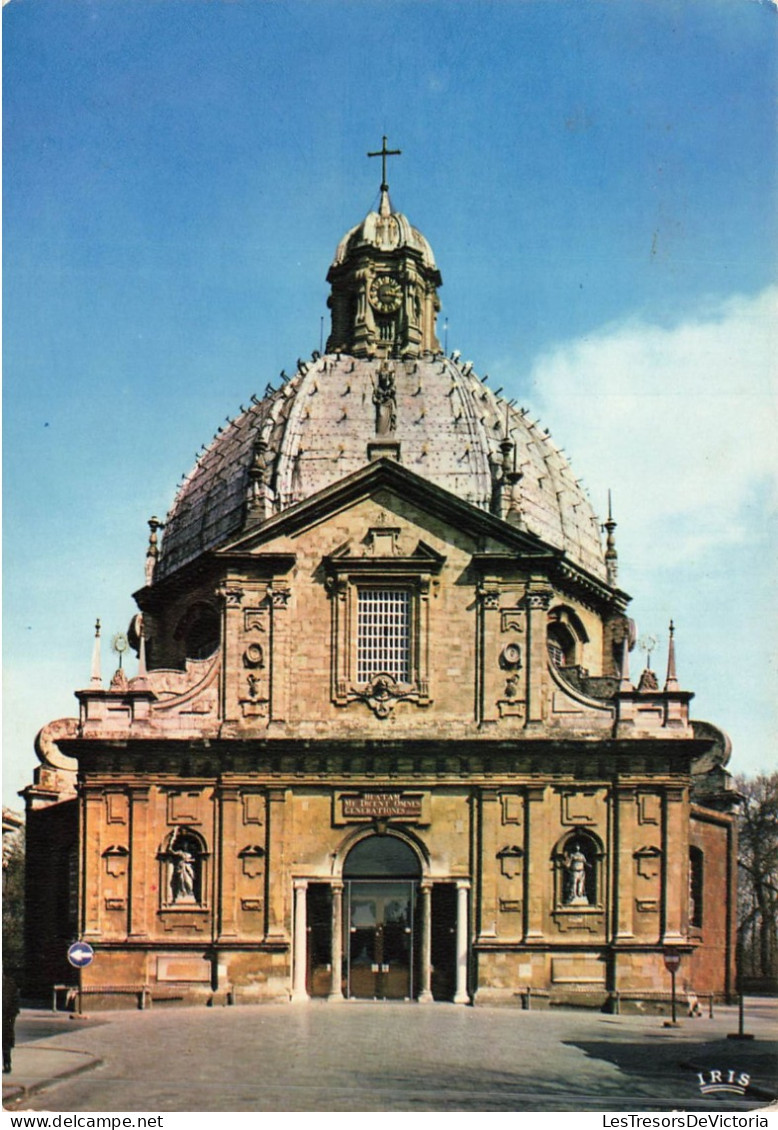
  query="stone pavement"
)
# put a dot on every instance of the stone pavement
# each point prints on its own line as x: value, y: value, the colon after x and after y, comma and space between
x: 365, y: 1056
x: 37, y: 1067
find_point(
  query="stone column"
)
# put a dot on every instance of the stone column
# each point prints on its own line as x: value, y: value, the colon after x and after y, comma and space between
x: 336, y: 990
x: 425, y: 972
x: 141, y: 851
x: 460, y: 996
x: 300, y: 959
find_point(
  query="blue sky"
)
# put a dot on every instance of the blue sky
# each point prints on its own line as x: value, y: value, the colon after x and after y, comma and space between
x: 598, y: 183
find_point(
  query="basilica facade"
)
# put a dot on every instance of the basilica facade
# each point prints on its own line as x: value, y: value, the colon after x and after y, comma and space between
x: 382, y: 739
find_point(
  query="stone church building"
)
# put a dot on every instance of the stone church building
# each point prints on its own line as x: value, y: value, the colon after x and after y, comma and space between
x: 382, y: 741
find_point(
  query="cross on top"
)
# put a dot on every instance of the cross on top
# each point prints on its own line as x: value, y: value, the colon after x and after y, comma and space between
x: 383, y: 153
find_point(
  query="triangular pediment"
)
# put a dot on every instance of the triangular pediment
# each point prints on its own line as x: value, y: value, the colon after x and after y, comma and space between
x: 406, y: 486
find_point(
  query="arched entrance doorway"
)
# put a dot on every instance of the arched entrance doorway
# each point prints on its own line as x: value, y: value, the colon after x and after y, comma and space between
x: 381, y: 876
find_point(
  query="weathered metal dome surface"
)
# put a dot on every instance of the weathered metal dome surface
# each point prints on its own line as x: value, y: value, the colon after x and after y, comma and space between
x: 315, y: 429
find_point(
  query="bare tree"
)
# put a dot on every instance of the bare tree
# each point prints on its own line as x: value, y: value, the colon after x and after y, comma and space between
x: 758, y: 874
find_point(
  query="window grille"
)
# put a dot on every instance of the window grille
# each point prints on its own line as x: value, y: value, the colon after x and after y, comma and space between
x: 556, y: 653
x: 384, y: 634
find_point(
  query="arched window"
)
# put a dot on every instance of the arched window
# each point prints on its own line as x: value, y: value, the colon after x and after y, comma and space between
x: 200, y: 629
x: 561, y: 646
x: 381, y: 857
x: 565, y: 636
x: 695, y: 887
x: 578, y: 871
x: 183, y: 882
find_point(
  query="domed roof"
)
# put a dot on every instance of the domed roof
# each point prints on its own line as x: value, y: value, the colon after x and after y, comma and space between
x: 315, y: 430
x: 384, y: 230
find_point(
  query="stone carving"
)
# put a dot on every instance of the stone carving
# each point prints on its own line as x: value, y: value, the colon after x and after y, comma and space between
x: 279, y: 598
x: 184, y: 863
x: 490, y: 597
x: 119, y: 680
x: 648, y: 681
x: 575, y: 864
x: 538, y: 600
x: 251, y: 858
x: 253, y: 657
x: 385, y: 400
x: 648, y: 861
x: 512, y: 686
x: 252, y: 619
x: 382, y: 693
x: 152, y: 553
x: 116, y: 857
x: 232, y: 595
x: 510, y: 860
x: 512, y: 619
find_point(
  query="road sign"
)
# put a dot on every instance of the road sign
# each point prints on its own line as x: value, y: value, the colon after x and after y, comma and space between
x: 672, y: 960
x: 80, y: 954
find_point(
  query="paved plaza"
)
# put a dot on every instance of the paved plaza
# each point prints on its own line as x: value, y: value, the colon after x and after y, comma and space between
x: 386, y: 1057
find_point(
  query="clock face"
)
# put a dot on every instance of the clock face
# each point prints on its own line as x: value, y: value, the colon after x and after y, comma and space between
x: 385, y: 293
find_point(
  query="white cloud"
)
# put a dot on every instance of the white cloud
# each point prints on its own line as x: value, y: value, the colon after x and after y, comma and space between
x: 680, y: 422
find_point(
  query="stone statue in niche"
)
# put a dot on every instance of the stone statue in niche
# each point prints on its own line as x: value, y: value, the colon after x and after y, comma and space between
x: 385, y: 400
x: 575, y: 864
x: 182, y: 883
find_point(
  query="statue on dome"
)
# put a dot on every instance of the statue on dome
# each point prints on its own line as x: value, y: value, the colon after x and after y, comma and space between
x: 385, y: 400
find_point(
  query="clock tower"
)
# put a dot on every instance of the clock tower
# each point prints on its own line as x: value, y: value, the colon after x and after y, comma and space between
x: 384, y: 280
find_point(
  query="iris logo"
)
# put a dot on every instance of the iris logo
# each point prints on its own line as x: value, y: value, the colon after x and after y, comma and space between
x: 717, y: 1082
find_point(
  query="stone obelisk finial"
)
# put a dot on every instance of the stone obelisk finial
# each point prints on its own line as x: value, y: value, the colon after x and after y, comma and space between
x: 671, y: 682
x: 611, y: 556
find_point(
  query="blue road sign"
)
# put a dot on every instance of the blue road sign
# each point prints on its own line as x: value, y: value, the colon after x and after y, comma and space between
x: 80, y: 954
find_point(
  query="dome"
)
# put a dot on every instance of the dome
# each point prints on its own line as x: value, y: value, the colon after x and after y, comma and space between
x: 316, y: 428
x: 384, y: 231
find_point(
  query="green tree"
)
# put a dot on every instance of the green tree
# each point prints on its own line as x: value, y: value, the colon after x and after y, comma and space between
x: 758, y: 875
x: 13, y: 906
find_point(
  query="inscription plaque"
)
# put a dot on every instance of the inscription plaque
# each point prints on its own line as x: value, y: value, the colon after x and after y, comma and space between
x: 382, y: 805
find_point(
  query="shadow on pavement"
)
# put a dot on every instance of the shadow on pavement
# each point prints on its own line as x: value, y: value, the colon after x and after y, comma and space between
x: 674, y: 1066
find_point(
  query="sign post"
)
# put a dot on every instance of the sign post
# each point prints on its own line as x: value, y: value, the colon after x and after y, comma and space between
x: 672, y: 962
x: 80, y: 954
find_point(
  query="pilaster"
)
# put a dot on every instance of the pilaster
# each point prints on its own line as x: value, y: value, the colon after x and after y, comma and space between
x: 280, y: 642
x: 536, y: 852
x: 228, y: 863
x: 537, y: 601
x: 275, y: 884
x: 675, y: 865
x: 625, y: 804
x: 92, y: 873
x: 490, y: 813
x: 142, y: 853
